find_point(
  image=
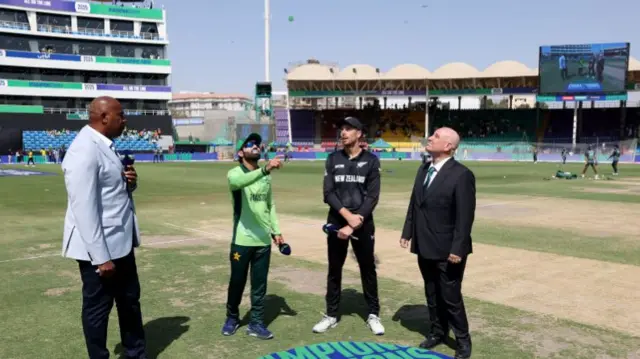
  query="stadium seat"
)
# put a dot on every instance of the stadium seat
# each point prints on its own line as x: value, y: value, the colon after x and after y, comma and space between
x: 35, y: 140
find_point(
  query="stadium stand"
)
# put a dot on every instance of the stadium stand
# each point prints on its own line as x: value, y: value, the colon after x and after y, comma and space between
x: 403, y: 129
x: 130, y: 141
x: 303, y: 127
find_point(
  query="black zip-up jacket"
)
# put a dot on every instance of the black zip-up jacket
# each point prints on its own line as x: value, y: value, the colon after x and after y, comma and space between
x: 351, y: 183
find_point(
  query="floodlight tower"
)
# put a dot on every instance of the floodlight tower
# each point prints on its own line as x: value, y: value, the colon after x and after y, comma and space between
x: 263, y: 103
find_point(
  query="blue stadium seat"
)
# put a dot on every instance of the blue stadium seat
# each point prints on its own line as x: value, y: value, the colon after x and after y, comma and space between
x: 35, y: 140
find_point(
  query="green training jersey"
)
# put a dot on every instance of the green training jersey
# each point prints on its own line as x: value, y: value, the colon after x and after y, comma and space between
x: 616, y: 155
x: 590, y: 155
x: 254, y: 211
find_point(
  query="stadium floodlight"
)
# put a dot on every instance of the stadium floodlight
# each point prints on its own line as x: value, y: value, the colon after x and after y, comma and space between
x: 267, y: 39
x: 263, y: 101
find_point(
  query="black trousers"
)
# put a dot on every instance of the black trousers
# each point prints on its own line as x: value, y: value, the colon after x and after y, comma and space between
x: 443, y: 289
x: 614, y: 164
x: 241, y: 258
x: 363, y: 248
x: 98, y: 295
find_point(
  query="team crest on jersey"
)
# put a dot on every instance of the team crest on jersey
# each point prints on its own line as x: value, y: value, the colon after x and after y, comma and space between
x: 361, y: 164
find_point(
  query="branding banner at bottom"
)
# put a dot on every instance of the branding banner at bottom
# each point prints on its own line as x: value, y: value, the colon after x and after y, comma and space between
x: 356, y: 350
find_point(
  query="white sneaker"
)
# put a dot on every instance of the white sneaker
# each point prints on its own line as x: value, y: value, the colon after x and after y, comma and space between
x: 373, y: 322
x: 325, y: 324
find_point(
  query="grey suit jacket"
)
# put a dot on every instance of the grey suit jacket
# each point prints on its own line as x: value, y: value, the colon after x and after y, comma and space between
x: 100, y: 223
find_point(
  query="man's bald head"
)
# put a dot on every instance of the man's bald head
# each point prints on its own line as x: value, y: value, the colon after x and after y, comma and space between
x: 106, y: 116
x: 451, y: 135
x: 443, y: 142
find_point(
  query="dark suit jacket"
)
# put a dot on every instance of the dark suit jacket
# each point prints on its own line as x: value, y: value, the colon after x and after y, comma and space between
x: 439, y: 218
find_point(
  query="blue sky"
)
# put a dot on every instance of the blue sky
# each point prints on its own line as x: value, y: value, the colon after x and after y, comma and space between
x: 218, y: 45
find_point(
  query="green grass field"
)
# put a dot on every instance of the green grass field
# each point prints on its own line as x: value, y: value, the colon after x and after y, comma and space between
x: 554, y: 273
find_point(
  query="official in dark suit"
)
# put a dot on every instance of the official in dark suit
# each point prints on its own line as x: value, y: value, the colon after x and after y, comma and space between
x: 438, y: 228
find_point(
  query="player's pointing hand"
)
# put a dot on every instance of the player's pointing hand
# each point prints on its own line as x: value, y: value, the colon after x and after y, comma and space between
x: 274, y: 163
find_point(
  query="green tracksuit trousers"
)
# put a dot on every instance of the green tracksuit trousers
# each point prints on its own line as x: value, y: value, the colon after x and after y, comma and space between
x: 241, y: 258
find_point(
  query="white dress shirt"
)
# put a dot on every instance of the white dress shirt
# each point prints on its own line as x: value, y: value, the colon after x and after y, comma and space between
x: 104, y: 138
x: 437, y: 167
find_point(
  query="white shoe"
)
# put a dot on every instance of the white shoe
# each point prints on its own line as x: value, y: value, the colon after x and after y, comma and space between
x: 325, y: 324
x: 373, y: 322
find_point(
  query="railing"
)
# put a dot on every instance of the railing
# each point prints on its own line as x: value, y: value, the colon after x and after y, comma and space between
x: 54, y: 28
x: 83, y: 111
x: 149, y: 36
x: 90, y: 32
x: 15, y: 25
x: 122, y: 33
x: 82, y: 31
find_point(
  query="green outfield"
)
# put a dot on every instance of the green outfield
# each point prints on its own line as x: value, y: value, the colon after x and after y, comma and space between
x: 554, y: 273
x: 552, y: 82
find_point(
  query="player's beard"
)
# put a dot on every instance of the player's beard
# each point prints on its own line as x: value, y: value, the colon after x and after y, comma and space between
x: 251, y: 156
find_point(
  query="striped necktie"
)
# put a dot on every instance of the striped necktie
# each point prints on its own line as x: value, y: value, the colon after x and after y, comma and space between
x: 427, y: 180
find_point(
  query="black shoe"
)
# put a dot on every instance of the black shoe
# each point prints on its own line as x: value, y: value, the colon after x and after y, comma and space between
x: 431, y: 341
x: 463, y: 350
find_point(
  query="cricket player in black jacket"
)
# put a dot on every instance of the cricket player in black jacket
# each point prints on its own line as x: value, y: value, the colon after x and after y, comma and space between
x: 351, y: 189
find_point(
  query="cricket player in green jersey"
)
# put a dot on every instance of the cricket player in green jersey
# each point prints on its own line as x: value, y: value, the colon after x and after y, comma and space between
x: 255, y: 226
x: 590, y: 161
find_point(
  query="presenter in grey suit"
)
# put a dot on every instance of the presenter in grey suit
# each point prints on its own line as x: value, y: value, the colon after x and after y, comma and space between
x: 438, y: 227
x: 101, y: 230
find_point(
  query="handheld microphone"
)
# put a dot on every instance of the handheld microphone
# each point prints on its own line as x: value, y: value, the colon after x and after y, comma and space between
x: 332, y: 228
x: 285, y: 249
x: 127, y: 160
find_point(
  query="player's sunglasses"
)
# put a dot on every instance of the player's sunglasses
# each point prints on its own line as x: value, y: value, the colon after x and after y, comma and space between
x: 250, y: 144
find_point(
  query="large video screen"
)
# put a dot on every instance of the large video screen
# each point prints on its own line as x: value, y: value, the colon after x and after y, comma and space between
x: 583, y: 69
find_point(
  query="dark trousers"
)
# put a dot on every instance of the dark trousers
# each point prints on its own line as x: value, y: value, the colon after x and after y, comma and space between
x: 443, y: 289
x: 98, y: 295
x: 363, y: 248
x: 614, y: 164
x: 587, y: 165
x: 241, y: 258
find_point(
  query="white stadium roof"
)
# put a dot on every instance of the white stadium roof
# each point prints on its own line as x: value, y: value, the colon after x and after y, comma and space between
x: 454, y: 70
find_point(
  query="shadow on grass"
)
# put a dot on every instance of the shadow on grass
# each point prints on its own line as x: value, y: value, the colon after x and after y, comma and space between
x: 352, y: 302
x: 160, y: 333
x: 415, y: 318
x: 274, y: 306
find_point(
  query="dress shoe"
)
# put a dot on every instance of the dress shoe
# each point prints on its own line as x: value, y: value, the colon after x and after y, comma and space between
x: 463, y: 350
x: 431, y: 341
